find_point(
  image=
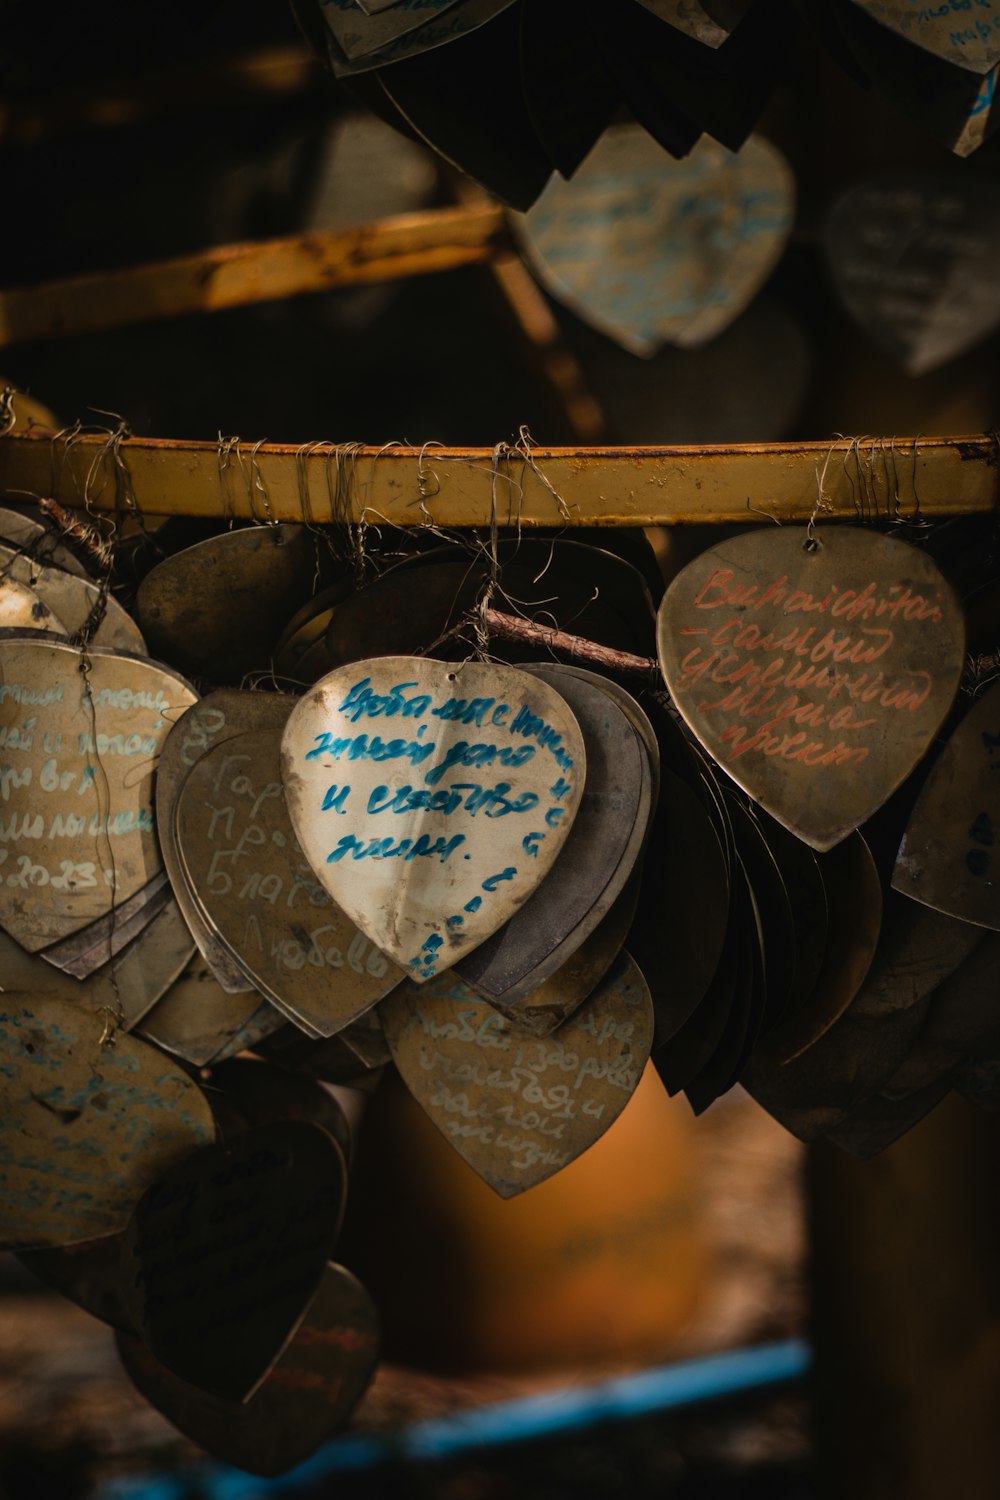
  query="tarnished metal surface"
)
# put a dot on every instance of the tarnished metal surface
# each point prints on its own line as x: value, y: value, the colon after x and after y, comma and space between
x: 543, y: 487
x: 815, y: 671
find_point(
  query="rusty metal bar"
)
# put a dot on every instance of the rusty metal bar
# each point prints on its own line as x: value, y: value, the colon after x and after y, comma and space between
x: 534, y: 486
x: 261, y: 271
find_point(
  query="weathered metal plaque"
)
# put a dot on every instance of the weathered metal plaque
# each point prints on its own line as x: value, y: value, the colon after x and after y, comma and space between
x: 88, y: 1122
x: 259, y: 893
x: 217, y: 608
x: 743, y: 1019
x: 75, y: 602
x: 593, y: 869
x: 680, y: 927
x: 224, y: 1253
x: 96, y: 944
x: 959, y: 33
x: 546, y: 1008
x: 806, y: 892
x: 774, y: 909
x: 952, y: 104
x: 913, y: 258
x: 950, y: 854
x: 358, y: 33
x: 653, y: 251
x: 307, y: 1395
x: 687, y: 1051
x: 218, y: 717
x: 25, y: 534
x: 22, y: 609
x: 431, y: 800
x: 816, y: 676
x: 854, y: 920
x: 198, y: 1020
x: 403, y: 42
x: 518, y: 1108
x: 710, y: 22
x: 80, y: 740
x: 125, y: 989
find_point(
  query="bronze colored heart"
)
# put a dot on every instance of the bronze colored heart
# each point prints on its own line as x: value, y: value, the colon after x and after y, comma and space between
x: 913, y: 257
x: 519, y: 1107
x: 218, y: 717
x: 224, y: 1253
x: 259, y: 894
x: 949, y: 857
x: 197, y: 1020
x: 816, y: 675
x: 307, y: 1395
x: 79, y: 752
x: 90, y: 1120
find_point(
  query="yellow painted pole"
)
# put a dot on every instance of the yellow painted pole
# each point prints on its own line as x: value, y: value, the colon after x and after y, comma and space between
x: 535, y: 486
x: 259, y: 271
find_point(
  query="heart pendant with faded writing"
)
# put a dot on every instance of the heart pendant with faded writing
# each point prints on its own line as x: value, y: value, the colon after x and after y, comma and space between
x: 260, y: 895
x: 80, y: 739
x: 431, y: 799
x: 949, y: 857
x: 519, y: 1107
x: 90, y: 1122
x: 653, y: 251
x: 815, y: 674
x: 970, y: 40
x: 913, y: 257
x: 306, y: 1396
x: 224, y: 1253
x: 216, y: 718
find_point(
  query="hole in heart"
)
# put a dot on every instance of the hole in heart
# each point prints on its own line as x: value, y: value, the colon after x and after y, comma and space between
x: 452, y: 676
x: 811, y: 544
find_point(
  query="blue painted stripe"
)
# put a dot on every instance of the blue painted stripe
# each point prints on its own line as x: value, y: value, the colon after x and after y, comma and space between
x: 527, y: 1419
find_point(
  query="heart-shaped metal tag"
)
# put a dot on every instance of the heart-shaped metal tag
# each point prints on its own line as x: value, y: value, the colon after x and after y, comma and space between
x: 913, y: 257
x: 260, y: 896
x: 949, y: 856
x: 88, y: 1123
x: 517, y: 1107
x: 653, y: 251
x: 968, y: 38
x: 79, y: 741
x: 431, y: 799
x: 816, y: 673
x: 306, y: 1396
x: 223, y: 1254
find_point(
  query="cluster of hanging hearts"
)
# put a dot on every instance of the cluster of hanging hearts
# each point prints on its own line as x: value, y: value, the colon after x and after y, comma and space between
x: 511, y: 877
x: 510, y: 90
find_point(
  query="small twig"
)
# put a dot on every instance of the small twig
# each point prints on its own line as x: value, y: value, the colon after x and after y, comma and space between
x: 605, y: 658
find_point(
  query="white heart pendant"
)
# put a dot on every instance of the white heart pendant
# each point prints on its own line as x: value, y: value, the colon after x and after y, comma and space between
x: 431, y: 798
